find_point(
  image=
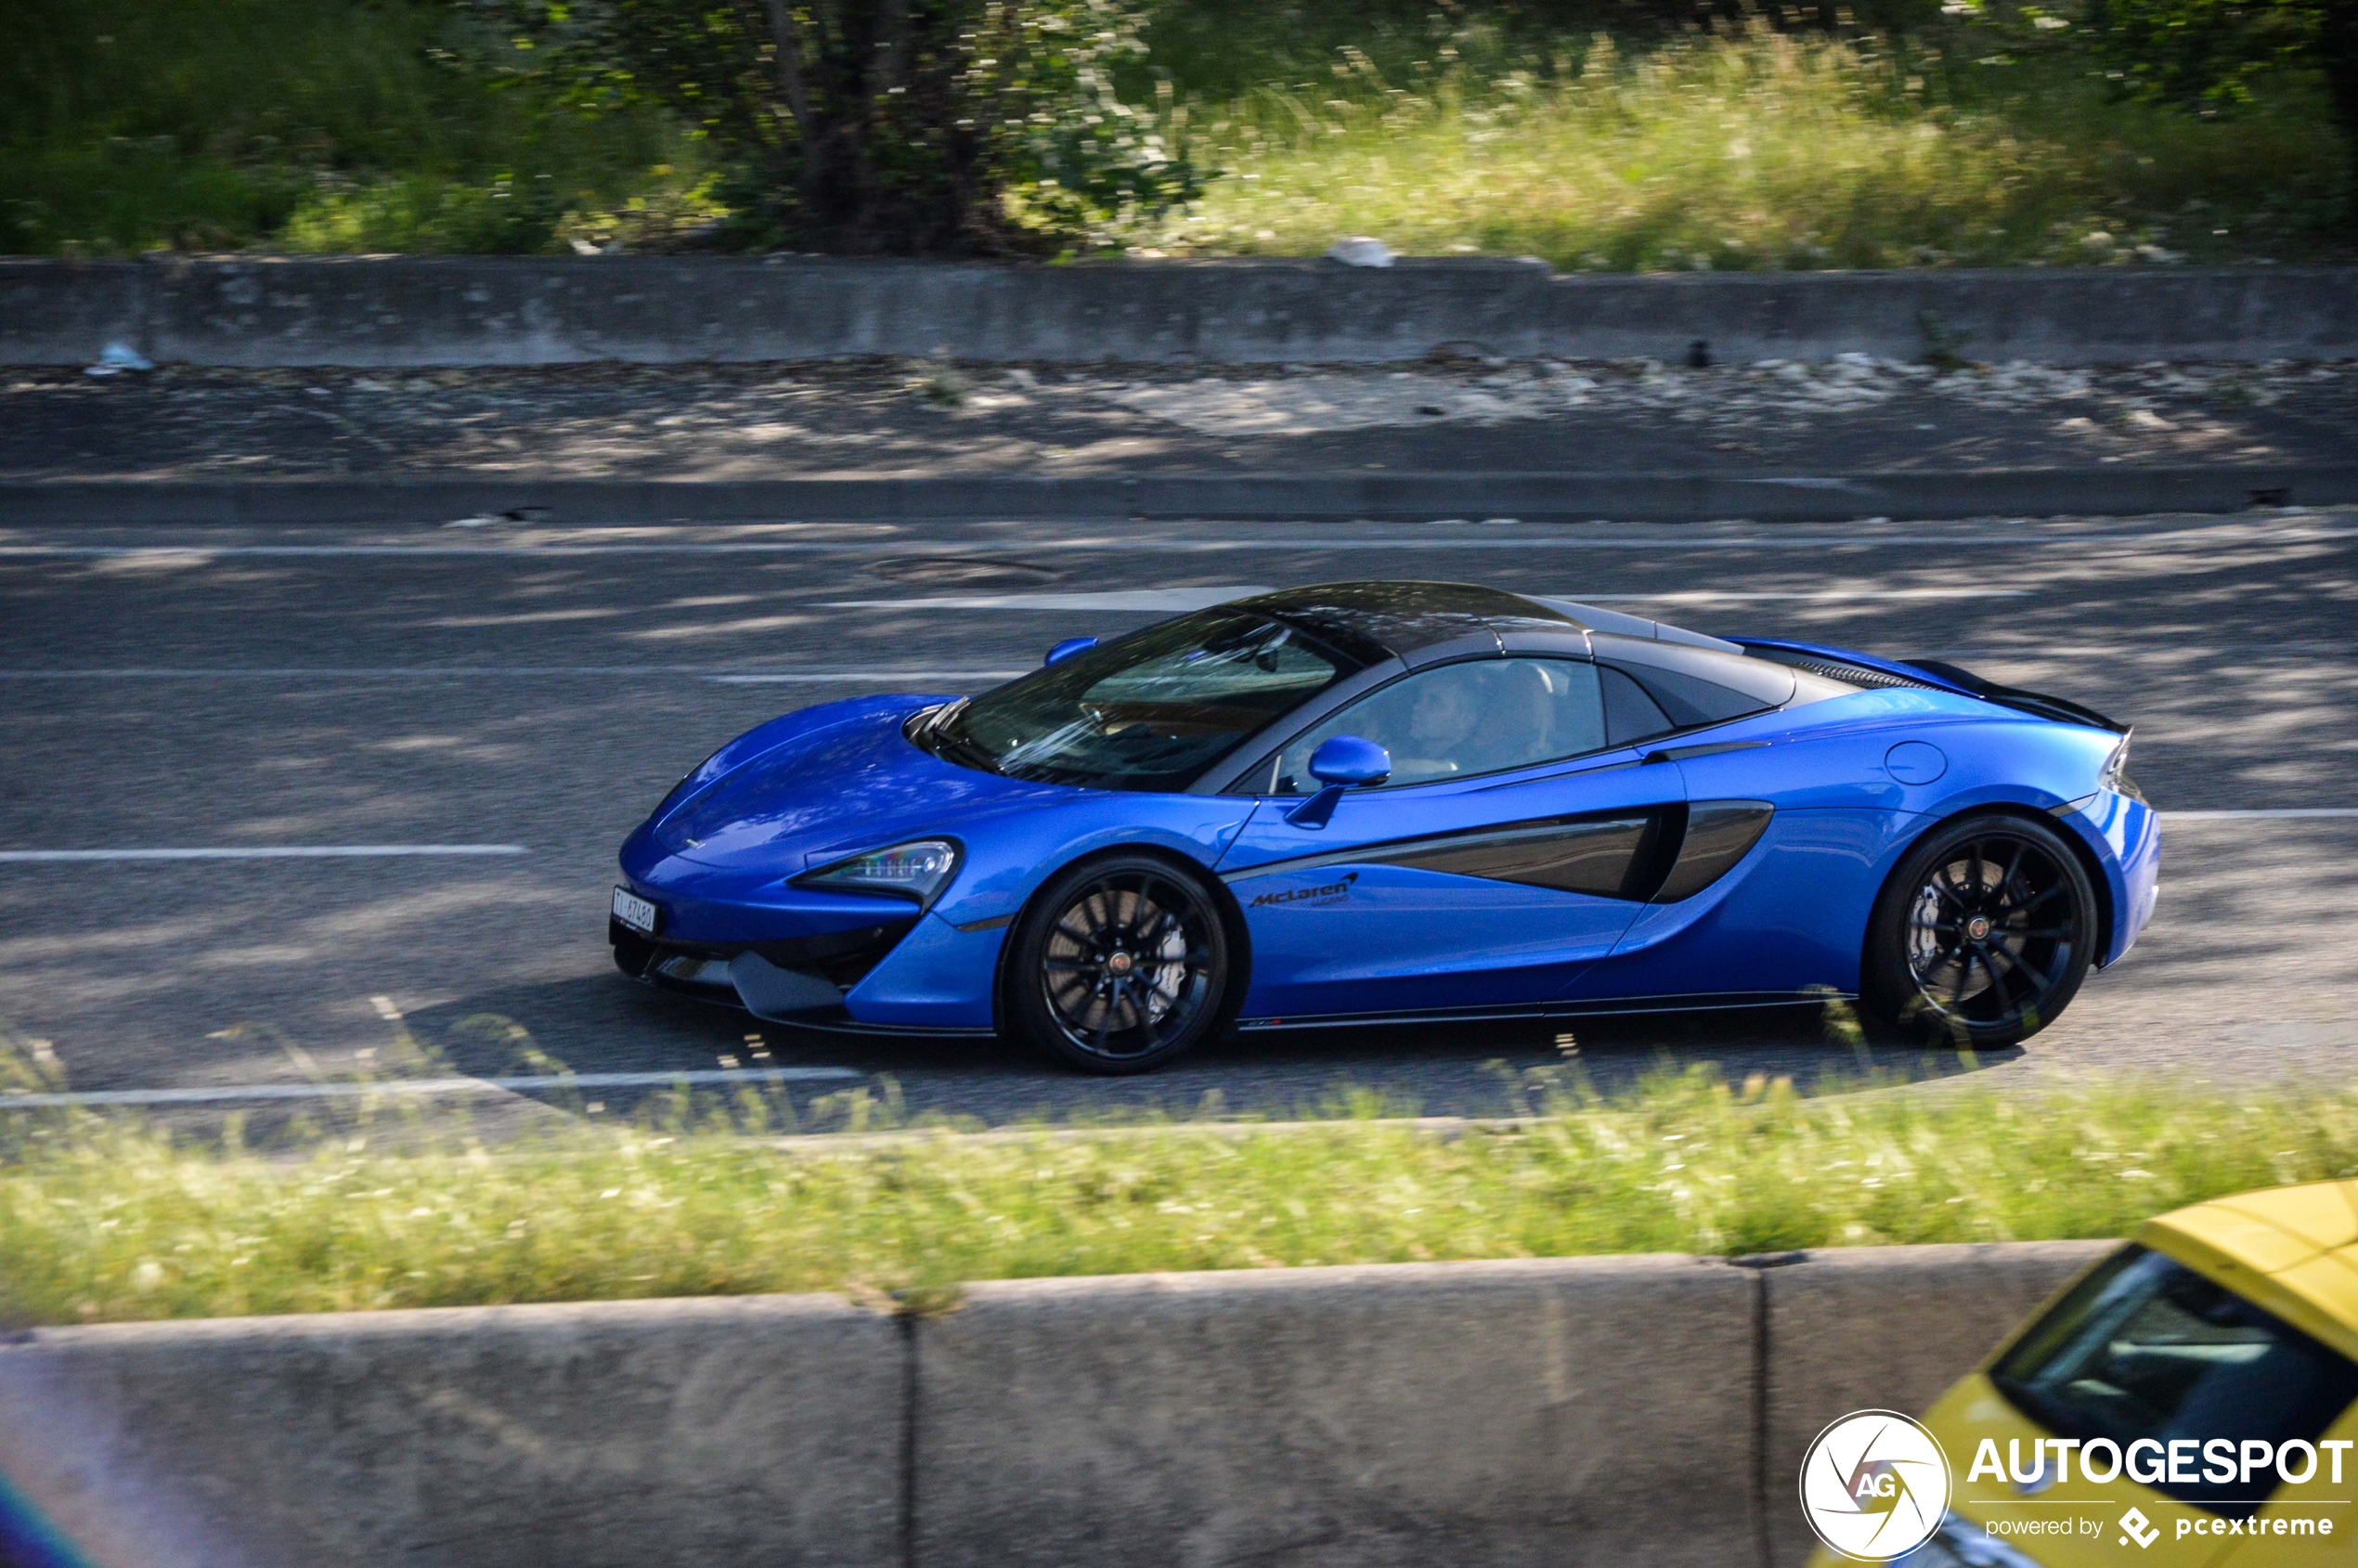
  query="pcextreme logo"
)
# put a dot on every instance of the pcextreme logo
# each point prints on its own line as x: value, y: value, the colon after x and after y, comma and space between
x: 1874, y: 1485
x: 1328, y: 894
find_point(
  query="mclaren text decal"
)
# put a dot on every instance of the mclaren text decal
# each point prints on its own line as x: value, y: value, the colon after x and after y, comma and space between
x: 1317, y: 898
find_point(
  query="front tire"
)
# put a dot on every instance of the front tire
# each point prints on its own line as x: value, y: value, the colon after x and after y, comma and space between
x: 1982, y: 936
x: 1119, y: 965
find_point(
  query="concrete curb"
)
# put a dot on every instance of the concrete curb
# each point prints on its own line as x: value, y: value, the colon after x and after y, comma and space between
x: 387, y: 311
x: 1624, y: 498
x: 1621, y: 1409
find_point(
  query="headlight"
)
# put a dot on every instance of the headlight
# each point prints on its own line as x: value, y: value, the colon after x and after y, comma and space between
x: 919, y: 869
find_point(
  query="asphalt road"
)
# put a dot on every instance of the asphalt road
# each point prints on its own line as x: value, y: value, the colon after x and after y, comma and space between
x: 531, y: 692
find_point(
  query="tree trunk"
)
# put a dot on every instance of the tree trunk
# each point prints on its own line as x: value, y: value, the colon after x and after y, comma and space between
x: 2337, y: 55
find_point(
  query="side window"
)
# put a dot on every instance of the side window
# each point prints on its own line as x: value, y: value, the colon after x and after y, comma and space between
x: 1630, y: 715
x: 1462, y: 719
x: 1690, y: 701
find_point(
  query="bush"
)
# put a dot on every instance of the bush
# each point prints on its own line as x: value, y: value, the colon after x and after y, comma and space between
x: 903, y: 125
x: 335, y: 125
x: 2204, y: 54
x: 1761, y: 150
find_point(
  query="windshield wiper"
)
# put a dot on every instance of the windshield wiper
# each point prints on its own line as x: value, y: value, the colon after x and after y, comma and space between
x: 952, y: 747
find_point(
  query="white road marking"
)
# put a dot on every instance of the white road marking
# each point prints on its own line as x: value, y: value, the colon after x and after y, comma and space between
x: 420, y: 1086
x: 434, y: 672
x: 1131, y: 599
x: 2288, y: 813
x: 1811, y: 595
x: 263, y: 852
x: 877, y: 676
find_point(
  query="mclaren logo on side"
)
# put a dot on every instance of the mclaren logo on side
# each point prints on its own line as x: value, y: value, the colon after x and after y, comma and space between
x: 1325, y: 893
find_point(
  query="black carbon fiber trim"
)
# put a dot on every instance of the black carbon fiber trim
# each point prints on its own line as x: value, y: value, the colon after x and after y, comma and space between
x: 1719, y: 833
x: 1605, y: 854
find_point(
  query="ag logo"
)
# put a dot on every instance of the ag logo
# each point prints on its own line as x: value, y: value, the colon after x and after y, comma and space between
x: 1874, y: 1485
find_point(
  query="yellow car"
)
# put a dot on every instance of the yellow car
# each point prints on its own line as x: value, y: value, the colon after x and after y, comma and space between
x: 2209, y: 1374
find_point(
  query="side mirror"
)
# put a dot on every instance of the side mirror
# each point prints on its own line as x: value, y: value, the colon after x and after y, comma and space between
x: 1068, y: 648
x: 1341, y: 762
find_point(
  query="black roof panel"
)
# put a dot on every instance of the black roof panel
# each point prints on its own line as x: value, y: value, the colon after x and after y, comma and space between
x: 1374, y: 619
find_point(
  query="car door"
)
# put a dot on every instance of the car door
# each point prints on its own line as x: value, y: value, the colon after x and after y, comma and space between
x: 1495, y: 864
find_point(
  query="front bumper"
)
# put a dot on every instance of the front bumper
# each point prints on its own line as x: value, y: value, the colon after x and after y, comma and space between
x: 796, y: 955
x: 834, y: 960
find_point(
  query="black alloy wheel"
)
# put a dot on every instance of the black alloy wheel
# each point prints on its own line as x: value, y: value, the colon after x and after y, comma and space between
x: 1117, y: 965
x: 1983, y: 934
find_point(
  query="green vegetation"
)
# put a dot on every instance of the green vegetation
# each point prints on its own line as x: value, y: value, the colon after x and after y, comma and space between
x: 1761, y: 150
x: 311, y: 125
x: 107, y: 1220
x: 1916, y: 134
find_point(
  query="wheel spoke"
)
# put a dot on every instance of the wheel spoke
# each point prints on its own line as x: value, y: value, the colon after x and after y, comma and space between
x: 2000, y: 981
x: 1141, y: 1003
x: 2041, y: 979
x: 2053, y: 892
x: 1957, y: 985
x: 2006, y: 882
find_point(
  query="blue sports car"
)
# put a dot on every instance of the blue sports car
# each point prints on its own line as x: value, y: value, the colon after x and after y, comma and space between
x: 1399, y: 800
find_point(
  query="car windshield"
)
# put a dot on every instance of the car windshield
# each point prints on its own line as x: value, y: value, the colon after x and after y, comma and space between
x: 1149, y: 712
x: 2148, y: 1348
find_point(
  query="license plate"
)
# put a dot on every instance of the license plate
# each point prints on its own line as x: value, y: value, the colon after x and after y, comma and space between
x: 634, y: 911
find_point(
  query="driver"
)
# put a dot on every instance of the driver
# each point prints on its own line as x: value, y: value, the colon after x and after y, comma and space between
x: 1445, y: 720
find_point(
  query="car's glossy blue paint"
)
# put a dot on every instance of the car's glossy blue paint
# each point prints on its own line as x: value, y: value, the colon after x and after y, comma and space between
x: 1343, y: 938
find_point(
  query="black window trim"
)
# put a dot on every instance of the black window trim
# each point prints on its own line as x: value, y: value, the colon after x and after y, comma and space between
x: 1263, y: 767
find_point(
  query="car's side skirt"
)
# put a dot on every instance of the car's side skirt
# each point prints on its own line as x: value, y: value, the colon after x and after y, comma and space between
x: 1699, y: 1001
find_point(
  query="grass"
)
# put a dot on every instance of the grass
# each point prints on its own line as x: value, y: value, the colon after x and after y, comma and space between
x: 1758, y: 150
x: 331, y: 125
x: 419, y: 125
x: 109, y: 1219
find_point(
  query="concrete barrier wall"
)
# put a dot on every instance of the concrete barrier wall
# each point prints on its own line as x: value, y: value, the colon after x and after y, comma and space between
x: 1634, y: 1411
x: 463, y: 310
x: 1627, y: 498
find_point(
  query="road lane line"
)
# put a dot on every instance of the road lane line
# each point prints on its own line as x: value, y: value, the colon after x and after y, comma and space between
x: 262, y: 852
x: 432, y: 672
x: 421, y: 1086
x: 2293, y: 812
x: 878, y: 677
x: 1811, y: 595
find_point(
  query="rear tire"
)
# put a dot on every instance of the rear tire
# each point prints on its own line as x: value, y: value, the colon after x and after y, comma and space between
x: 1117, y: 965
x: 1982, y: 936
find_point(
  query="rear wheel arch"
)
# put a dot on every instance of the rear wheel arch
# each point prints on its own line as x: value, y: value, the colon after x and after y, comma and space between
x: 1996, y: 816
x: 2089, y: 862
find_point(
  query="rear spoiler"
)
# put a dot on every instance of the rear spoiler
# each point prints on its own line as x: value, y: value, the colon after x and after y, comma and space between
x: 1934, y: 674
